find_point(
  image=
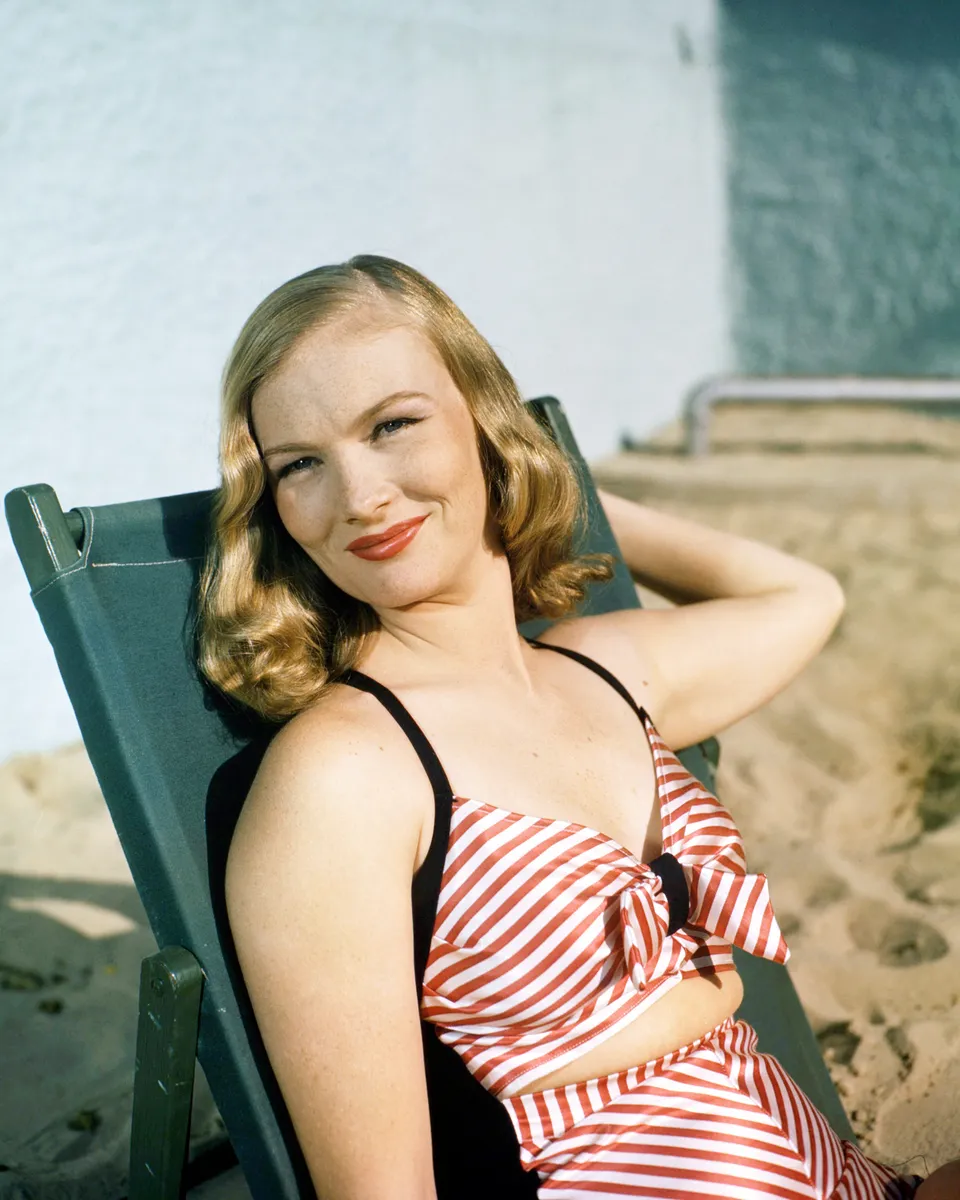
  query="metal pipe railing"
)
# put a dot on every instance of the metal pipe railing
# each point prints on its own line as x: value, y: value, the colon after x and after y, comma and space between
x: 930, y: 395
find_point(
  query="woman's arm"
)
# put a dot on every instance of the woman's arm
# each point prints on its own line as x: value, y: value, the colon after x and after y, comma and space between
x: 749, y: 620
x: 318, y: 895
x: 686, y: 562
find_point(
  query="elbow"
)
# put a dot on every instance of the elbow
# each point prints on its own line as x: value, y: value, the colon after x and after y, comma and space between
x: 830, y: 600
x: 836, y: 597
x: 816, y: 604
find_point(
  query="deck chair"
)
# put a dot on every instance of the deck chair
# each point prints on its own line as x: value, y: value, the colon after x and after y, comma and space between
x: 114, y: 588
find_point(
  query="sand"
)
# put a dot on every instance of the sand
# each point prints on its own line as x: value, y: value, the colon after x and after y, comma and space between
x: 846, y: 786
x: 72, y: 936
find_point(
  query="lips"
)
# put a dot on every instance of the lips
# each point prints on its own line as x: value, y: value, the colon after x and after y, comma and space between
x: 391, y: 541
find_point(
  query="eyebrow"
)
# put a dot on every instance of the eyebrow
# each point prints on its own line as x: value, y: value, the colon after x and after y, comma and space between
x: 362, y: 419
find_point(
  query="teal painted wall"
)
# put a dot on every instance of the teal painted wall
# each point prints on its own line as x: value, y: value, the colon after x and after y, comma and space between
x: 843, y: 174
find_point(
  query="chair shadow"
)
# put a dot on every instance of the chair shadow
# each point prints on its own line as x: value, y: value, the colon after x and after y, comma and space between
x: 69, y: 1017
x: 118, y: 897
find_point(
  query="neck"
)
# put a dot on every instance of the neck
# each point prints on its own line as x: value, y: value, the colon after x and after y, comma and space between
x: 468, y: 635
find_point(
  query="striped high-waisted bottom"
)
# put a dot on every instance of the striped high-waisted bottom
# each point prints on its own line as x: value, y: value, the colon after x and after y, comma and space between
x: 715, y: 1118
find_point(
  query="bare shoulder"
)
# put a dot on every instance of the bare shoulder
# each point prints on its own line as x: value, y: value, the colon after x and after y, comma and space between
x: 318, y: 897
x: 338, y: 779
x: 699, y: 667
x: 619, y: 641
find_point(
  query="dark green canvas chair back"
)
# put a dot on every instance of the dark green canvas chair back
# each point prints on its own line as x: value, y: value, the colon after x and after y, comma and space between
x: 114, y: 587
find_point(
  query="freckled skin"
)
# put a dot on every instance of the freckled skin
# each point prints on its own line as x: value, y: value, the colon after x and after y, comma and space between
x: 356, y: 480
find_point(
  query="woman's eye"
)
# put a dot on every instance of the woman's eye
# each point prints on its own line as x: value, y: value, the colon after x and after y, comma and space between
x: 393, y: 425
x: 294, y: 468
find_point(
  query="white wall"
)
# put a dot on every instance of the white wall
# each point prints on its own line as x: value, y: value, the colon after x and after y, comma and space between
x: 555, y: 166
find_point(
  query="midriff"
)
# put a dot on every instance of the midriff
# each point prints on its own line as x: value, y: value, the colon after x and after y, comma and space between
x: 686, y: 1012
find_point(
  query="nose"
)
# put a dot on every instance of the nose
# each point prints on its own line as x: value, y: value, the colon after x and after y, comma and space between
x: 363, y: 486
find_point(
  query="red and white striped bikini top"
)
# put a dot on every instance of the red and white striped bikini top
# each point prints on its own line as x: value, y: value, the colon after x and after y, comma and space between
x: 550, y: 936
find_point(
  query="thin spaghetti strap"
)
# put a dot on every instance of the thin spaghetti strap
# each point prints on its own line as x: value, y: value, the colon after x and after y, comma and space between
x: 597, y: 669
x: 665, y: 865
x: 425, y: 752
x: 429, y: 876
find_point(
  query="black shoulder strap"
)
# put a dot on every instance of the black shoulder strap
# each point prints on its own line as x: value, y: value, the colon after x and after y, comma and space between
x: 665, y: 865
x: 427, y: 881
x: 475, y: 1149
x: 596, y: 668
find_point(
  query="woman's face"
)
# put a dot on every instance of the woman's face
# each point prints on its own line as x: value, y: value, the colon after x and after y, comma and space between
x: 362, y: 430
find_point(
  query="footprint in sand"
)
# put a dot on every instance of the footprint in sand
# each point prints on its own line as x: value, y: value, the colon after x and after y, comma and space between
x: 900, y: 1044
x: 927, y: 874
x: 940, y: 801
x: 898, y: 941
x: 838, y: 1043
x: 825, y: 889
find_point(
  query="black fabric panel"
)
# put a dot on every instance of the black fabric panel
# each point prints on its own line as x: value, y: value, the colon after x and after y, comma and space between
x: 427, y: 881
x: 475, y: 1151
x: 674, y: 884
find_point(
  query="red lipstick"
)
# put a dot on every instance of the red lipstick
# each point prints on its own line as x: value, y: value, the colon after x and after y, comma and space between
x: 376, y: 546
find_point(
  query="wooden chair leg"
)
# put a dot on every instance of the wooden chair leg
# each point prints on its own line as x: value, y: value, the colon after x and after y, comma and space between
x: 171, y: 984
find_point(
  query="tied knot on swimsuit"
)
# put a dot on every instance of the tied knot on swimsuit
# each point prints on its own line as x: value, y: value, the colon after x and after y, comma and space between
x: 660, y: 913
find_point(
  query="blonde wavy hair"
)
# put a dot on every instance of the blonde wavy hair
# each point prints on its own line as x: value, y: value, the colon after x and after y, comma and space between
x: 274, y: 631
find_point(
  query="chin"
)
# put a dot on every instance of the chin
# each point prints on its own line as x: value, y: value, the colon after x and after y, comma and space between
x: 404, y: 590
x: 406, y: 598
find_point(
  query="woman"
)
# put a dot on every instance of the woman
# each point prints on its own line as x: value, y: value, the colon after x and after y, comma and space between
x: 387, y: 504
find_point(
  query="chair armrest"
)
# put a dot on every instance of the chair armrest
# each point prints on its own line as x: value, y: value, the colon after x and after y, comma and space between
x: 171, y: 984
